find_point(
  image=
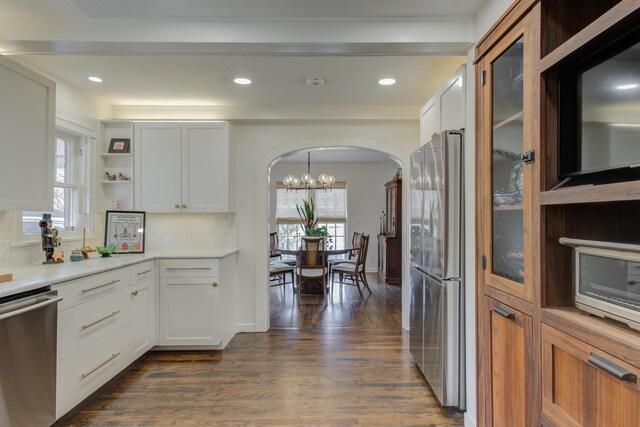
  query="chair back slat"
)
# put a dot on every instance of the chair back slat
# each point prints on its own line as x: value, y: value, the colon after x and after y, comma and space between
x: 363, y: 249
x: 312, y: 254
x: 273, y: 243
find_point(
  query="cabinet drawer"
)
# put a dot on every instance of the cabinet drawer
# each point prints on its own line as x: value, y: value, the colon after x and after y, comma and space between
x: 78, y: 291
x: 85, y: 371
x: 141, y: 272
x: 584, y: 386
x: 189, y: 267
x: 86, y: 323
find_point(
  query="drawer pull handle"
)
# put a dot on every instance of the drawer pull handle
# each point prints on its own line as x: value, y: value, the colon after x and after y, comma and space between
x: 134, y: 293
x: 214, y: 284
x: 187, y: 268
x: 611, y: 368
x: 99, y: 286
x: 113, y: 356
x: 177, y: 206
x: 144, y: 272
x: 504, y: 312
x: 95, y: 322
x: 184, y: 206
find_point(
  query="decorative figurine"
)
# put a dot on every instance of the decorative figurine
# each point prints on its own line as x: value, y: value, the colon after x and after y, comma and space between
x: 110, y: 177
x: 122, y: 177
x: 50, y: 240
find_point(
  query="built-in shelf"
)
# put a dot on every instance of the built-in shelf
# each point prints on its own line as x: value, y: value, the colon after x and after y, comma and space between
x: 617, y: 192
x: 116, y: 182
x: 515, y: 118
x: 610, y: 336
x: 508, y: 208
x: 116, y: 154
x: 626, y: 10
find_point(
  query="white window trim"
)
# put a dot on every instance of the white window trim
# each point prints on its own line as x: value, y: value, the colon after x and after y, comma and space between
x: 84, y: 192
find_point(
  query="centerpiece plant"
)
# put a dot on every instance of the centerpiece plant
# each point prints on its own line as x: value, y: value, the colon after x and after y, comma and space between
x: 307, y: 213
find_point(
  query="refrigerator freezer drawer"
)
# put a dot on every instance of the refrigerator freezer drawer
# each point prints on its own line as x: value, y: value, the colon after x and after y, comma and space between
x: 441, y: 339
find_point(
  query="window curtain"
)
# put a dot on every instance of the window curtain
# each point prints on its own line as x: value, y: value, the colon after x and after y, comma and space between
x: 331, y: 205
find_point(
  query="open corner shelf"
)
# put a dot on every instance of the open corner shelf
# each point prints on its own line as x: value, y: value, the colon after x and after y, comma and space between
x: 618, y: 192
x: 613, y: 337
x: 116, y: 182
x: 116, y: 154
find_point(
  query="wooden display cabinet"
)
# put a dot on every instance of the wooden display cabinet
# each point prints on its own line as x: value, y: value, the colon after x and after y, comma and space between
x: 390, y: 242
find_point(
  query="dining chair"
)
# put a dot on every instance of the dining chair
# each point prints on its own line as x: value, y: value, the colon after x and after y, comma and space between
x: 311, y: 262
x: 278, y: 274
x: 352, y: 255
x: 273, y: 244
x: 355, y: 271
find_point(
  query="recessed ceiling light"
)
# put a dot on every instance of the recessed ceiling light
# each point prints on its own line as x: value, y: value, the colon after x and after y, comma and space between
x: 315, y: 81
x: 387, y: 82
x: 95, y: 79
x: 627, y: 87
x: 242, y: 81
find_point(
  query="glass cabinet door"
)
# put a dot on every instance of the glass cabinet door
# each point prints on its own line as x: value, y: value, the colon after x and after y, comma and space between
x: 507, y: 197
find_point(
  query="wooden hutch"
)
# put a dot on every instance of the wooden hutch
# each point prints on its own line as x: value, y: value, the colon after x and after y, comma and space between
x: 534, y: 346
x: 390, y: 242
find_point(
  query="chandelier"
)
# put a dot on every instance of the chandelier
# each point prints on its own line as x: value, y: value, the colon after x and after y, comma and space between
x: 307, y: 182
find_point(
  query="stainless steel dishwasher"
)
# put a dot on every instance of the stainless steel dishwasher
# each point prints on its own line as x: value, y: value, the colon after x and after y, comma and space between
x: 28, y: 327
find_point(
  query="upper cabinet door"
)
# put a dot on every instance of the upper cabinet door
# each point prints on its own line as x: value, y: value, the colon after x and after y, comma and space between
x: 27, y: 120
x: 157, y: 167
x: 205, y: 167
x: 507, y: 134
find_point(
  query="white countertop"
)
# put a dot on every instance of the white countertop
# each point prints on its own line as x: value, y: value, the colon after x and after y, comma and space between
x: 29, y: 277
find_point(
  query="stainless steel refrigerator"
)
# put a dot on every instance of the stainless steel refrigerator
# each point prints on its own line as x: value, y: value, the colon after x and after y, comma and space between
x: 437, y: 252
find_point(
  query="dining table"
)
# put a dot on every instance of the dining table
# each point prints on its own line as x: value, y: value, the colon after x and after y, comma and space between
x: 315, y: 286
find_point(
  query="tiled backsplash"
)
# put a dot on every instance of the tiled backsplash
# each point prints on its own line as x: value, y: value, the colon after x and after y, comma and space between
x: 164, y: 231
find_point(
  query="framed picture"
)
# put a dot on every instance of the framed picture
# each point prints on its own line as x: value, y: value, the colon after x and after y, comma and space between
x: 125, y: 231
x: 119, y: 145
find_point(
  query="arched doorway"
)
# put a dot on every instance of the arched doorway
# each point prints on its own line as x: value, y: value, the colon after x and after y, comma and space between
x: 263, y: 212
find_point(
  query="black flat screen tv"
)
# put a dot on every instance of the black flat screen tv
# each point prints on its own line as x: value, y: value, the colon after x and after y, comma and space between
x: 599, y: 115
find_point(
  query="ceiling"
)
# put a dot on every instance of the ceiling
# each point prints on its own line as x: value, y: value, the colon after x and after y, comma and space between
x: 207, y: 80
x: 240, y: 9
x: 158, y: 53
x: 338, y: 155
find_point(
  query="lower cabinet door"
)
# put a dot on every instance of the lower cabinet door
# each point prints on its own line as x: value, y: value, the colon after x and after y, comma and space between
x: 189, y: 311
x: 584, y: 386
x: 143, y: 322
x: 511, y: 341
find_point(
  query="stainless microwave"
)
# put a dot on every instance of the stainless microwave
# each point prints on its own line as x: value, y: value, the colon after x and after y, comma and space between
x: 607, y: 279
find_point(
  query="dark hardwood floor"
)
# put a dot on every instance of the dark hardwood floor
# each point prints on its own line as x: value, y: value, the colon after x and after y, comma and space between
x: 345, y: 308
x: 345, y: 362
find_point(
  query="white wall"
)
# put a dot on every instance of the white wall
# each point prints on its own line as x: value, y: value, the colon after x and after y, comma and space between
x: 365, y: 193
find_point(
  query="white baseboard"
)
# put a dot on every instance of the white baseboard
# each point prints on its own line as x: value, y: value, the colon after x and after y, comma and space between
x: 469, y: 420
x: 246, y: 327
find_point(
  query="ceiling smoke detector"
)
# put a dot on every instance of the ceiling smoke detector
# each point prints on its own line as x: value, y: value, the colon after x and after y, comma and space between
x: 315, y: 81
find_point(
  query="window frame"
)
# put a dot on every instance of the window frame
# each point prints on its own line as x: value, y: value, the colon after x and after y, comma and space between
x: 81, y: 168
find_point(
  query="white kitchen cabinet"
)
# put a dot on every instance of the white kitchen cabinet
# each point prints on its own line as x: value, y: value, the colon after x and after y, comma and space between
x: 157, y: 152
x: 182, y: 167
x: 190, y: 302
x: 446, y: 109
x: 27, y: 120
x: 143, y: 317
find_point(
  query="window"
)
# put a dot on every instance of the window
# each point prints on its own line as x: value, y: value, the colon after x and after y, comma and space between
x: 331, y: 210
x: 69, y: 199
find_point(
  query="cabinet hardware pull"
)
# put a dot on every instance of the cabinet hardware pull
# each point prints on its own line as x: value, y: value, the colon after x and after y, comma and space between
x: 504, y: 312
x: 188, y: 268
x: 134, y: 293
x: 177, y: 206
x: 184, y: 206
x: 214, y: 284
x: 95, y: 322
x: 611, y: 368
x: 99, y: 286
x: 143, y: 272
x: 113, y: 356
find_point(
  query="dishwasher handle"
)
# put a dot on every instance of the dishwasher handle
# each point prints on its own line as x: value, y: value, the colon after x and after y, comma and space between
x: 30, y: 308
